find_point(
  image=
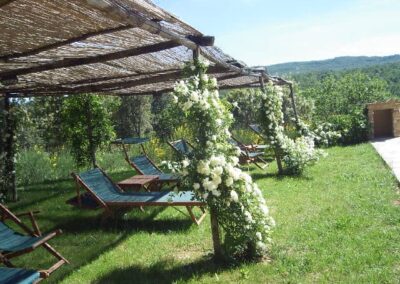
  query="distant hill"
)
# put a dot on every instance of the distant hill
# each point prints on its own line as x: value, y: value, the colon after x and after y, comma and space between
x: 335, y: 64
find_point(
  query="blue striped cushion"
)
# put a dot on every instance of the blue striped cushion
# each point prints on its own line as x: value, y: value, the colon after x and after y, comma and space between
x: 11, y: 241
x: 106, y: 191
x: 18, y: 275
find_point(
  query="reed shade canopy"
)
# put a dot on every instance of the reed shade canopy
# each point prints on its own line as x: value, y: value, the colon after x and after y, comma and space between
x: 119, y: 47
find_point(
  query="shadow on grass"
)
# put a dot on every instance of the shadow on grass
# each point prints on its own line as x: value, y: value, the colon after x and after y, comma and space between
x: 279, y: 177
x: 87, y: 224
x: 165, y: 271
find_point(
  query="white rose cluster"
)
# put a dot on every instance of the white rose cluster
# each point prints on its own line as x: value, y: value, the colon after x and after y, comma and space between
x: 214, y: 174
x: 296, y: 154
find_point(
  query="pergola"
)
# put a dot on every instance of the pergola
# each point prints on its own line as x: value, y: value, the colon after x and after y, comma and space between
x: 113, y: 47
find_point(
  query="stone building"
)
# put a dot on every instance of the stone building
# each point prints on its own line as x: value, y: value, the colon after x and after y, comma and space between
x: 384, y: 118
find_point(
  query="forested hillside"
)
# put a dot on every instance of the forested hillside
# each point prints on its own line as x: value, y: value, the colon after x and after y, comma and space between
x: 335, y: 64
x: 390, y: 73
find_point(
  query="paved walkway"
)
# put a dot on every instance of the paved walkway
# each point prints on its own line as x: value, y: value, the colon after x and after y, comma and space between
x: 389, y: 149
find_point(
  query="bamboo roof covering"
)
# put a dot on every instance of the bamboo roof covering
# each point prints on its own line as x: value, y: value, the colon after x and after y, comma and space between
x: 121, y: 47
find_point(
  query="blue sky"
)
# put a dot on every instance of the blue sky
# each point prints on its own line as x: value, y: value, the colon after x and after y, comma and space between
x: 263, y: 32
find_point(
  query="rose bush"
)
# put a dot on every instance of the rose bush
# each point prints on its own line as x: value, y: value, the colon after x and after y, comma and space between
x: 295, y: 153
x: 213, y: 172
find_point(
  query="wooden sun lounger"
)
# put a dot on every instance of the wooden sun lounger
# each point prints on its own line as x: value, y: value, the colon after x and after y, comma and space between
x: 114, y: 200
x: 21, y: 276
x: 13, y: 244
x: 182, y: 147
x: 247, y: 156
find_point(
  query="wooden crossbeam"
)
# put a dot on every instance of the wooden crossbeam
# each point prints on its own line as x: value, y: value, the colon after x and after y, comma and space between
x: 160, y: 76
x: 79, y: 61
x: 63, y: 43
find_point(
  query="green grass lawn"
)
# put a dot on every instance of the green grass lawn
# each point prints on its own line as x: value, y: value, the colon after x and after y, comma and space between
x: 337, y: 223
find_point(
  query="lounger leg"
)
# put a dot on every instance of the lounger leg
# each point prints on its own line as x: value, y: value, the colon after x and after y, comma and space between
x: 7, y: 262
x: 55, y: 253
x: 262, y: 161
x: 193, y: 217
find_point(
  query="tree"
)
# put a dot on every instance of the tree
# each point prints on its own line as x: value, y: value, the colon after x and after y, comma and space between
x: 243, y: 113
x: 167, y: 117
x: 134, y: 116
x: 344, y: 95
x: 87, y: 125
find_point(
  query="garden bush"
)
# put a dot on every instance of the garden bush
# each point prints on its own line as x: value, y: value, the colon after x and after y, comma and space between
x: 353, y: 127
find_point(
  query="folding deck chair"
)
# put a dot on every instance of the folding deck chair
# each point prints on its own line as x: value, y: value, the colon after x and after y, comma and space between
x: 182, y: 147
x: 251, y: 147
x: 114, y: 200
x: 13, y: 244
x: 256, y: 128
x: 20, y: 276
x: 247, y: 156
x: 143, y: 165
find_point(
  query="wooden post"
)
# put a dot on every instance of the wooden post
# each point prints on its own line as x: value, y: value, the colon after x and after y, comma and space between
x: 3, y: 190
x: 294, y: 104
x: 92, y: 147
x: 218, y: 253
x: 9, y: 150
x: 276, y: 150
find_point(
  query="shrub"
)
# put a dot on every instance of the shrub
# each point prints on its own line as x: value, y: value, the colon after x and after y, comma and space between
x: 352, y: 127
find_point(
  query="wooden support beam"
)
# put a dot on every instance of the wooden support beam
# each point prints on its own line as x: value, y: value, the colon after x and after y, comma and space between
x: 72, y: 62
x: 294, y: 104
x: 62, y: 43
x: 202, y: 40
x: 218, y: 251
x: 107, y: 86
x: 9, y: 149
x: 276, y: 150
x: 3, y: 190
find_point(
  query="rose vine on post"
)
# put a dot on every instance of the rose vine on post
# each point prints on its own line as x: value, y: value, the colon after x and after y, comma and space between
x: 213, y: 171
x: 295, y: 153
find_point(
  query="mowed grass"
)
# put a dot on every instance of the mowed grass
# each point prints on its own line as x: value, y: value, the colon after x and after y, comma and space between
x: 335, y: 224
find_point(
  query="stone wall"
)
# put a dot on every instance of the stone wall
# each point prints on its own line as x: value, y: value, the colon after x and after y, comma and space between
x: 393, y: 105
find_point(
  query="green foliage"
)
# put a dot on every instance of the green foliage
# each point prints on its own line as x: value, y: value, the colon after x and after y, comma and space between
x: 345, y: 95
x: 352, y: 127
x: 244, y: 102
x: 341, y: 101
x: 167, y: 118
x: 87, y: 125
x: 35, y: 165
x: 133, y: 117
